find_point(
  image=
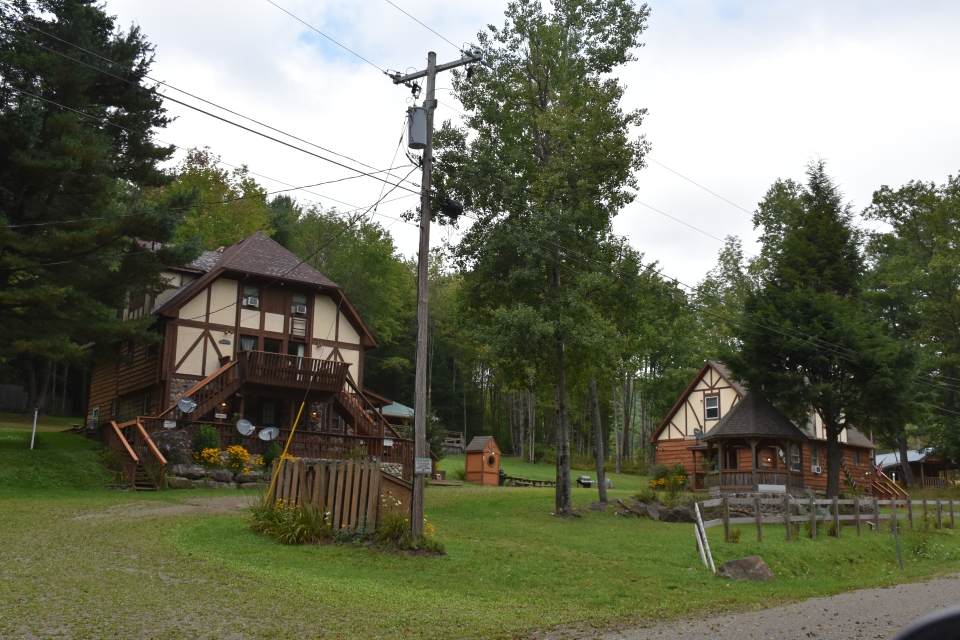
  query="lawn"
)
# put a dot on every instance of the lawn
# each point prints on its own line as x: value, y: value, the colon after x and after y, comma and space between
x: 84, y: 563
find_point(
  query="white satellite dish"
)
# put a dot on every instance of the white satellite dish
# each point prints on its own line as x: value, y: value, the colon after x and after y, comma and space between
x: 245, y: 427
x: 270, y: 433
x: 186, y: 404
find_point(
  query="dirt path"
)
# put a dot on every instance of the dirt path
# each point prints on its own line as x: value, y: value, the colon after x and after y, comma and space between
x: 871, y: 613
x: 194, y: 506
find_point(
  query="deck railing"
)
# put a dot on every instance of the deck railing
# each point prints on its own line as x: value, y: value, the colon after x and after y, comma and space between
x: 292, y: 372
x: 742, y: 479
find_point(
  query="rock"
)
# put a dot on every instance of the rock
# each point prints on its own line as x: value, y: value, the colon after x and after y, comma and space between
x: 226, y: 485
x: 253, y: 476
x: 653, y: 512
x: 257, y: 486
x: 753, y: 569
x: 609, y: 483
x: 679, y: 514
x: 205, y: 483
x: 175, y: 482
x: 191, y: 471
x: 220, y: 475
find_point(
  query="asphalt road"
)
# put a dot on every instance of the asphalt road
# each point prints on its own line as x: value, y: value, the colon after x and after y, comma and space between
x: 871, y: 613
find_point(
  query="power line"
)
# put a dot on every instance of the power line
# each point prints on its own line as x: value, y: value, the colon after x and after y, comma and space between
x: 420, y: 23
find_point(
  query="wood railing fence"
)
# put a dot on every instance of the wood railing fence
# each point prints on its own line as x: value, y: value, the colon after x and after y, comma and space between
x: 788, y: 511
x: 348, y: 490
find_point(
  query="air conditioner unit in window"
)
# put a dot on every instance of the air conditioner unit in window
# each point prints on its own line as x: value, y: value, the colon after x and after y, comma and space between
x: 299, y: 309
x: 251, y: 302
x: 816, y: 469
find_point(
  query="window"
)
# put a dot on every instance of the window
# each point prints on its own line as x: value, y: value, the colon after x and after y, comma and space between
x: 271, y: 345
x: 248, y: 343
x: 856, y: 458
x: 95, y: 417
x: 795, y: 457
x: 114, y: 408
x: 712, y: 404
x: 146, y: 405
x: 299, y: 300
x: 298, y: 328
x: 294, y: 349
x: 152, y: 350
x: 814, y: 455
x: 268, y: 413
x: 251, y: 297
x: 334, y: 421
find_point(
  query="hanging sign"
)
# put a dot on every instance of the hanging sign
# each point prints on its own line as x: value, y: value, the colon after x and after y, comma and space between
x: 421, y: 466
x: 169, y: 424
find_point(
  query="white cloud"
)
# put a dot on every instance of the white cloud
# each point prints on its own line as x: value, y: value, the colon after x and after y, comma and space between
x: 740, y: 93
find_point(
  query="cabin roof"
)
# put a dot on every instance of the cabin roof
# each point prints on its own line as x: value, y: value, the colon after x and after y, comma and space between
x: 754, y: 417
x: 479, y: 443
x: 397, y: 410
x: 913, y: 455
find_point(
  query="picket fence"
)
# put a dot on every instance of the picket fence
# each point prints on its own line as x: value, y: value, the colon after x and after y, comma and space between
x: 349, y: 490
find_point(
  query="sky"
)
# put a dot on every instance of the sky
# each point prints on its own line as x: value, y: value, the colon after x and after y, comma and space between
x: 739, y: 94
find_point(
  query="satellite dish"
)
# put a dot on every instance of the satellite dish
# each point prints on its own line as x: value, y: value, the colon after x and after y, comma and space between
x: 186, y: 405
x: 245, y: 427
x: 270, y: 433
x: 698, y: 434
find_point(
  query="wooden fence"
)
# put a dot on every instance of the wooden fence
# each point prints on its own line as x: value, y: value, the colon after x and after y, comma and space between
x: 349, y: 490
x: 864, y: 512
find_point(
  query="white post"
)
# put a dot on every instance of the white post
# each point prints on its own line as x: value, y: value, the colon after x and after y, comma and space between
x: 33, y: 434
x: 696, y: 532
x: 706, y: 543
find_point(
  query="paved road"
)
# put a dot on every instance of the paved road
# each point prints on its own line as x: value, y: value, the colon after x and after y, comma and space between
x: 871, y: 613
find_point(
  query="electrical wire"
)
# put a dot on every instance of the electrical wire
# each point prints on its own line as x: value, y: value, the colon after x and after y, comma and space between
x: 421, y: 24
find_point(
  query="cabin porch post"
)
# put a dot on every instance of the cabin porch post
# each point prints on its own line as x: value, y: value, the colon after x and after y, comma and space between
x: 753, y: 461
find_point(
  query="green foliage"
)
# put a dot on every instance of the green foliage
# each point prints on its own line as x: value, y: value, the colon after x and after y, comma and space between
x: 271, y: 453
x: 290, y: 524
x: 664, y: 471
x: 735, y: 535
x: 63, y: 163
x: 207, y: 438
x: 460, y: 473
x: 175, y: 445
x: 646, y: 495
x: 65, y: 461
x: 393, y: 522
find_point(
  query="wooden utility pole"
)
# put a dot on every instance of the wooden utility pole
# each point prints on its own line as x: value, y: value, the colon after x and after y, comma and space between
x: 420, y: 448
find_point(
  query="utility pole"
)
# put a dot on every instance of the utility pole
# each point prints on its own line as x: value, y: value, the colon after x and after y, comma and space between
x: 420, y: 448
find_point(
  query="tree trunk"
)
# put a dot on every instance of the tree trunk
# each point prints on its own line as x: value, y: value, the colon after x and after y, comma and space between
x: 625, y: 447
x: 616, y: 426
x: 905, y: 469
x: 564, y: 505
x: 532, y: 417
x: 598, y: 439
x: 833, y: 461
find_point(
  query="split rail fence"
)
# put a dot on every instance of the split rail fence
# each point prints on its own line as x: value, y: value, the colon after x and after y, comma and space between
x: 348, y: 490
x: 864, y: 512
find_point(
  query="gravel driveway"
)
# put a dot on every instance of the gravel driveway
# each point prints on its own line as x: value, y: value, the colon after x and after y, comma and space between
x: 871, y: 613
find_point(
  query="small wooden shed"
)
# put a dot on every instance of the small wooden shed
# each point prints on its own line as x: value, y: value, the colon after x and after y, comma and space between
x: 483, y: 461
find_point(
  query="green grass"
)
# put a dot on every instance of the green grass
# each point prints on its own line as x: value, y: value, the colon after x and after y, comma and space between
x: 106, y: 563
x: 44, y: 423
x: 58, y: 460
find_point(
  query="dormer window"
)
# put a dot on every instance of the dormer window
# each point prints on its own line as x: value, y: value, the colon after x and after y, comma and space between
x: 251, y: 297
x: 712, y: 407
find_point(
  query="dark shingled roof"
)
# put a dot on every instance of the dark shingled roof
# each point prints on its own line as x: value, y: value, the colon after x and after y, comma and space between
x: 260, y: 255
x: 479, y: 442
x: 754, y: 417
x: 719, y: 366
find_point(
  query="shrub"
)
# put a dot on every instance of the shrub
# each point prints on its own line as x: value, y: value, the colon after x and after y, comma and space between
x: 460, y: 473
x: 735, y: 535
x: 209, y: 458
x: 393, y: 524
x: 176, y: 445
x: 207, y: 438
x: 290, y: 524
x: 238, y: 459
x: 646, y: 495
x: 271, y: 453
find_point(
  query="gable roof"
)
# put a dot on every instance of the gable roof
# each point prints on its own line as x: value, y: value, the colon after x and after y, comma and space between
x: 258, y: 254
x: 707, y: 365
x: 397, y: 410
x: 754, y: 417
x: 479, y: 443
x: 893, y: 459
x: 857, y: 439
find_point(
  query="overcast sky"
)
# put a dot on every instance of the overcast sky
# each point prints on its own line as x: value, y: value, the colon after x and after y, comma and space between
x: 739, y: 94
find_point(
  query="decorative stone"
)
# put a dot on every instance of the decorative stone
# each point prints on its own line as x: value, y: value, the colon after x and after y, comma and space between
x: 752, y: 569
x: 175, y: 482
x: 609, y: 483
x: 225, y: 485
x: 205, y: 483
x: 653, y: 510
x: 679, y: 514
x: 256, y: 486
x: 220, y: 475
x: 192, y: 471
x: 253, y: 476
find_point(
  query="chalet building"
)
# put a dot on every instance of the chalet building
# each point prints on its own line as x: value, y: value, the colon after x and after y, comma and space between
x: 731, y: 440
x: 929, y: 468
x: 249, y: 331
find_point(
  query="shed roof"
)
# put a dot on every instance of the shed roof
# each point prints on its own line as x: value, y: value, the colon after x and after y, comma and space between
x: 893, y: 459
x: 479, y: 443
x: 398, y: 410
x: 754, y: 417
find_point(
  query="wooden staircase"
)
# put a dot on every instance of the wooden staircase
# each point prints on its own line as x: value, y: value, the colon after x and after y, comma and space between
x: 142, y: 481
x: 136, y: 449
x: 208, y: 393
x: 354, y: 407
x: 886, y: 489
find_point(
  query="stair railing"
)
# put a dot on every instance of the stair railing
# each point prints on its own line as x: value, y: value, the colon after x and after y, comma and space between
x: 204, y: 390
x: 115, y: 439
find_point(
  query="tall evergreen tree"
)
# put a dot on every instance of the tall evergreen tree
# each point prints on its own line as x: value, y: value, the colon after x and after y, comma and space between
x: 548, y: 164
x: 806, y: 340
x: 76, y: 151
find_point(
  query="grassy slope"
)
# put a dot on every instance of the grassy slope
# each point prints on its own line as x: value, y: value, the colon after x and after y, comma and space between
x: 76, y: 564
x: 514, y: 467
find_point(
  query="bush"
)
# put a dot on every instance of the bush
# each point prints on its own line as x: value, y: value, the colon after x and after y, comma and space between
x: 543, y: 453
x: 207, y: 438
x: 646, y: 495
x: 176, y: 445
x: 209, y: 458
x: 393, y: 525
x: 460, y: 473
x: 272, y: 452
x: 238, y: 459
x: 735, y: 535
x: 290, y: 524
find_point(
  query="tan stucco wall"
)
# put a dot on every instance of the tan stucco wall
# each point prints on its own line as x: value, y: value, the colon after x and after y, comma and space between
x: 223, y: 302
x: 195, y: 308
x: 324, y: 318
x: 347, y: 332
x: 193, y: 365
x: 250, y: 318
x: 273, y: 322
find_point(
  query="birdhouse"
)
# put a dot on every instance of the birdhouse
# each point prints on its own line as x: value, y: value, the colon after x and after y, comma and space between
x: 483, y: 461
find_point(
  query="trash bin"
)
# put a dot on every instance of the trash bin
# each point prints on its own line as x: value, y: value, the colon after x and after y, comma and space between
x: 502, y: 477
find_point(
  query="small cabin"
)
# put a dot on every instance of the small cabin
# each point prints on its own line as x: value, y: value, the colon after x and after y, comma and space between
x: 483, y: 461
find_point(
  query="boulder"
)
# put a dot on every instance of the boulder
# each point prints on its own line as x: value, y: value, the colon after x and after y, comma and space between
x: 252, y: 476
x: 256, y: 486
x: 226, y: 485
x: 191, y: 471
x: 220, y: 475
x: 609, y: 483
x: 205, y: 483
x: 753, y: 569
x: 653, y: 510
x: 678, y: 514
x: 175, y: 482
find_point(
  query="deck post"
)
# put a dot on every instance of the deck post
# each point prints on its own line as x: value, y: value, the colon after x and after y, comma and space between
x: 726, y: 517
x: 753, y: 462
x: 876, y: 515
x: 910, y: 512
x: 813, y: 518
x: 786, y: 513
x: 856, y: 514
x: 836, y: 518
x: 756, y: 502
